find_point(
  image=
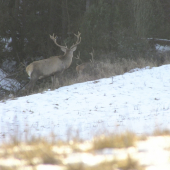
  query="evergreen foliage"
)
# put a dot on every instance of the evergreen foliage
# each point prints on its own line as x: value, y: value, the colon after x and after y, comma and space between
x: 119, y: 26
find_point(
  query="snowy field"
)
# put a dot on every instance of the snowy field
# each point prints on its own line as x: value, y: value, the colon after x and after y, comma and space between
x: 137, y: 101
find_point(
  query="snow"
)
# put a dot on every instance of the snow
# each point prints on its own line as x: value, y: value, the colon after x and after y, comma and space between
x: 7, y: 41
x: 161, y: 48
x: 136, y: 101
x: 7, y: 83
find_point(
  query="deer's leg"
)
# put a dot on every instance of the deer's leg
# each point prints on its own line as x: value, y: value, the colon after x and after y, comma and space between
x: 55, y: 80
x: 29, y: 87
x: 60, y: 78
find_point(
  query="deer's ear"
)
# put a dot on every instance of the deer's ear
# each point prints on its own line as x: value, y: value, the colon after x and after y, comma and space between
x: 74, y: 48
x: 63, y: 49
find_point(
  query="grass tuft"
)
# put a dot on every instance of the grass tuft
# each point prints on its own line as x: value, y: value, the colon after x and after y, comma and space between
x: 161, y: 132
x: 123, y: 140
x: 127, y: 164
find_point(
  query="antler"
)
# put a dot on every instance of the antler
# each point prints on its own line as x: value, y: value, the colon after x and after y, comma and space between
x: 65, y: 47
x: 54, y: 39
x: 78, y: 57
x: 78, y: 40
x: 92, y: 56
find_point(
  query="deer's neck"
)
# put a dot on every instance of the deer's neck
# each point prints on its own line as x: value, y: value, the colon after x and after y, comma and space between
x: 67, y: 60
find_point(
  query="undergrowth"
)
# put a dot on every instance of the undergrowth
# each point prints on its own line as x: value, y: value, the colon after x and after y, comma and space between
x: 110, y: 65
x: 123, y: 140
x: 101, y: 69
x: 41, y: 151
x: 74, y: 154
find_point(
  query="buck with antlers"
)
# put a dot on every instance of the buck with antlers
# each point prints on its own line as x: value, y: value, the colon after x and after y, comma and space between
x: 50, y: 66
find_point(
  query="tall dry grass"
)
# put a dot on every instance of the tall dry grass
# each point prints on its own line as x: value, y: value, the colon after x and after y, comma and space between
x: 109, y: 65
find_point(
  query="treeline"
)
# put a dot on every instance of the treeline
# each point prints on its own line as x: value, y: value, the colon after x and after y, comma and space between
x: 119, y: 26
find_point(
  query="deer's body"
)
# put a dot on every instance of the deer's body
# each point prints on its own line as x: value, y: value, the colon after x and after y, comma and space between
x: 50, y: 66
x: 80, y: 68
x: 85, y: 66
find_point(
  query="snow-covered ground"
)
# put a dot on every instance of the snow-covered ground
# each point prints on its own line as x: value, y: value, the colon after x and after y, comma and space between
x: 137, y: 101
x: 161, y: 48
x: 7, y: 83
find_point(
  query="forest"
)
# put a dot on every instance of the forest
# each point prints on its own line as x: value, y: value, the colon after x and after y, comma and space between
x: 112, y: 29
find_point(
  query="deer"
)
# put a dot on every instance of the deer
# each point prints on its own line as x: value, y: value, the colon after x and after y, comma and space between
x: 53, y: 65
x: 81, y: 67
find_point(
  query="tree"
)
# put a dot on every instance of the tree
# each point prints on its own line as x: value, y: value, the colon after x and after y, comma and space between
x: 147, y: 16
x: 87, y: 5
x: 64, y: 19
x: 51, y: 24
x: 109, y: 25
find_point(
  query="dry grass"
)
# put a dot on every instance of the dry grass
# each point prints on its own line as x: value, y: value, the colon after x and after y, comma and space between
x: 97, y: 70
x: 161, y: 132
x: 40, y: 151
x: 101, y: 69
x: 35, y: 153
x: 127, y: 164
x: 108, y: 68
x: 123, y: 140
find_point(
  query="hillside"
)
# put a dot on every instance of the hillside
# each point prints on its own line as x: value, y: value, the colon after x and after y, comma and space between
x: 136, y: 101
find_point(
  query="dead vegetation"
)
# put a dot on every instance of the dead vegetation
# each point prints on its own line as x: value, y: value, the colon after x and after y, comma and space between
x: 161, y: 132
x: 71, y: 155
x: 96, y: 69
x: 110, y: 152
x: 123, y: 140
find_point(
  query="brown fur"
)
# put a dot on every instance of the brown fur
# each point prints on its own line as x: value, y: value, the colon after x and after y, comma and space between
x: 51, y: 66
x: 80, y: 68
x: 29, y: 70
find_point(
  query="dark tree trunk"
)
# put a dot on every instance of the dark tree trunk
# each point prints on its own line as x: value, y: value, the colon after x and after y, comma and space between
x: 14, y: 27
x: 50, y: 26
x: 22, y: 43
x: 113, y: 3
x: 64, y: 19
x: 87, y: 5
